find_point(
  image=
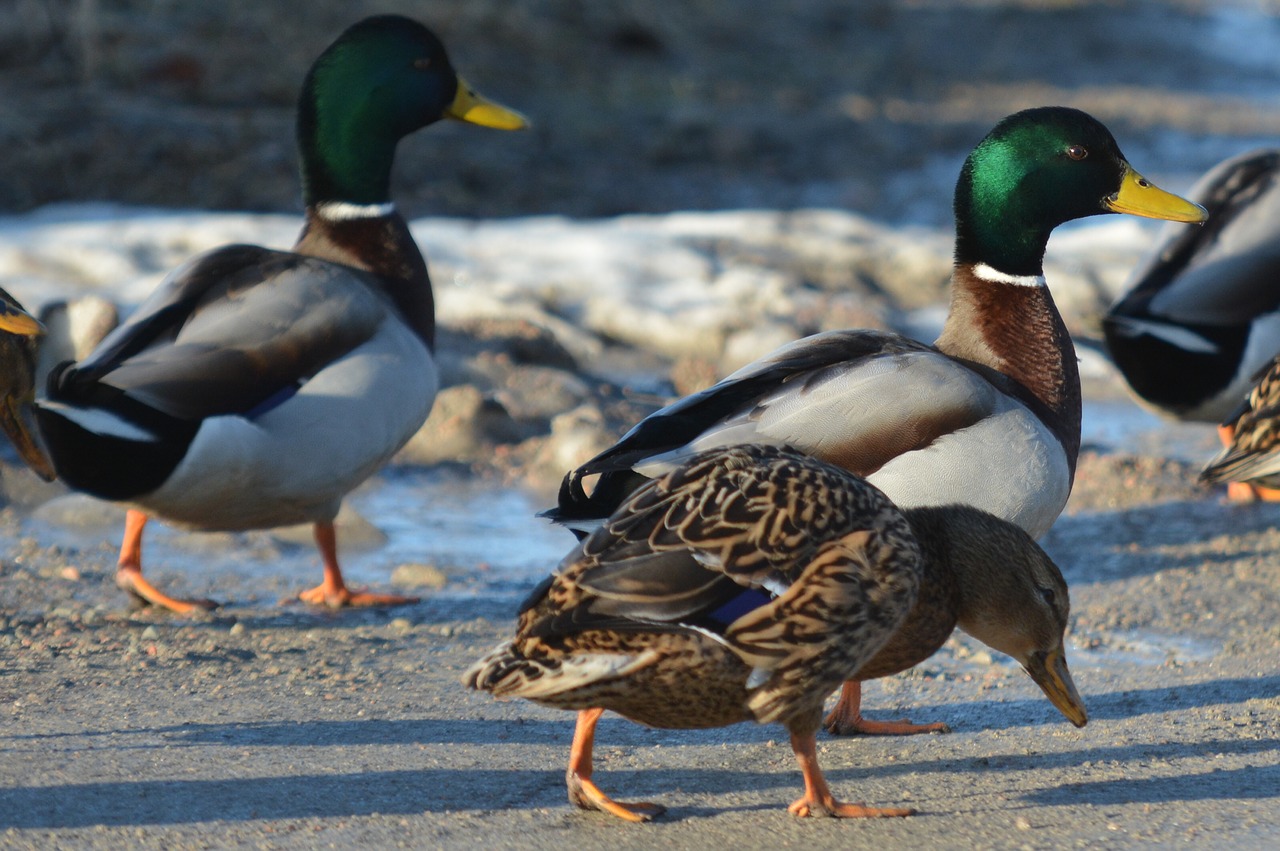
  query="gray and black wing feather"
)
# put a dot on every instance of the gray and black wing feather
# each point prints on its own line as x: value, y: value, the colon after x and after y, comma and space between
x: 234, y: 331
x: 799, y: 367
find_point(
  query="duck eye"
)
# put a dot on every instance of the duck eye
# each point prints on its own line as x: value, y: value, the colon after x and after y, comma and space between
x: 1048, y: 595
x: 422, y: 64
x: 1077, y: 152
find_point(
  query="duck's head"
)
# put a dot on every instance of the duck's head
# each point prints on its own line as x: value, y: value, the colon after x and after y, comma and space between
x: 1012, y: 596
x: 381, y: 80
x: 19, y: 338
x: 1038, y: 169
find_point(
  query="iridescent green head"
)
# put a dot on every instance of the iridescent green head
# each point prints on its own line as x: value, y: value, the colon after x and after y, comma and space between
x: 383, y: 78
x: 1038, y: 169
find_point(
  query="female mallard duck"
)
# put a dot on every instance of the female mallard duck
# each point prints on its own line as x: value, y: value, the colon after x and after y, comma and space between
x: 988, y: 416
x: 747, y: 584
x: 1202, y: 314
x: 1250, y: 461
x: 255, y: 388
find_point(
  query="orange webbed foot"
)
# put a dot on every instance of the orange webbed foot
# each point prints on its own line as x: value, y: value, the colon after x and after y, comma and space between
x: 333, y: 591
x: 840, y: 726
x: 341, y: 598
x: 585, y: 794
x: 807, y: 807
x: 846, y: 718
x: 817, y: 799
x: 131, y: 581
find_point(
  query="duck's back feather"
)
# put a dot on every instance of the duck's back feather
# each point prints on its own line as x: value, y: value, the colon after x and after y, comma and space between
x: 920, y: 425
x: 226, y: 332
x: 793, y: 568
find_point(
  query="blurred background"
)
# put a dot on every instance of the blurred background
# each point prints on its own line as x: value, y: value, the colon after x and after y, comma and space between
x: 639, y: 106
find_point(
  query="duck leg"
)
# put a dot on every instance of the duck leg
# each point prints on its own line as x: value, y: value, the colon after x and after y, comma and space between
x: 584, y: 793
x: 846, y: 718
x: 818, y: 800
x: 1243, y: 491
x: 333, y: 592
x: 129, y: 571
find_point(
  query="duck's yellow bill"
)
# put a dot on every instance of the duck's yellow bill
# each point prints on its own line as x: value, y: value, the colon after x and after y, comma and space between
x: 1140, y: 197
x: 14, y: 422
x: 1049, y: 670
x: 474, y: 108
x: 15, y: 320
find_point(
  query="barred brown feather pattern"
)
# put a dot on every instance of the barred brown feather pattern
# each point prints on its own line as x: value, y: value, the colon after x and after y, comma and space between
x: 753, y: 509
x: 1254, y: 453
x: 615, y: 627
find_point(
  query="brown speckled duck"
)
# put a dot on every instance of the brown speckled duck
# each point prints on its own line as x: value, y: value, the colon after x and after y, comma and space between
x: 256, y: 388
x: 747, y: 584
x: 1250, y: 461
x: 988, y: 416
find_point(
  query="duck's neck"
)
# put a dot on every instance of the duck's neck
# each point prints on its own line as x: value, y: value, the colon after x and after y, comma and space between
x: 345, y: 147
x: 938, y: 602
x: 1009, y: 323
x: 375, y: 239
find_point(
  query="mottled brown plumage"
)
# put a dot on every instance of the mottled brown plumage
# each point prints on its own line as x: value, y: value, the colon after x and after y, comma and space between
x: 993, y: 581
x: 1252, y: 436
x: 746, y: 584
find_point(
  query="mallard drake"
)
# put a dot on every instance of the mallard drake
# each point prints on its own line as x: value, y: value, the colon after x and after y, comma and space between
x: 255, y: 388
x: 1201, y: 314
x: 988, y: 416
x: 1250, y: 461
x: 749, y: 582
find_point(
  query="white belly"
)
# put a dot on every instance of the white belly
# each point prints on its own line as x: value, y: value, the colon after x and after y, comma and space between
x: 296, y: 462
x: 1009, y: 464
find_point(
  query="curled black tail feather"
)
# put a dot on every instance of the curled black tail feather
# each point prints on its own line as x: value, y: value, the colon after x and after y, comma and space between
x: 575, y: 504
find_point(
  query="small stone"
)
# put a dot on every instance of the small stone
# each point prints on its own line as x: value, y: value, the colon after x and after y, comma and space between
x: 464, y: 425
x: 151, y: 633
x: 236, y: 629
x: 70, y: 574
x: 419, y: 576
x: 400, y: 624
x: 1021, y: 823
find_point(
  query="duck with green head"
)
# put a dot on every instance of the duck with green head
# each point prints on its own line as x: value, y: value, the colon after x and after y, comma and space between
x: 256, y: 387
x: 988, y: 416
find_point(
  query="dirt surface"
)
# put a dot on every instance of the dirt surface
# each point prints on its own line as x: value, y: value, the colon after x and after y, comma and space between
x: 277, y: 726
x: 273, y: 726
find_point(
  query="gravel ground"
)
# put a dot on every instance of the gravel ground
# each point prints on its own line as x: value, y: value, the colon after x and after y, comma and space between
x: 268, y: 726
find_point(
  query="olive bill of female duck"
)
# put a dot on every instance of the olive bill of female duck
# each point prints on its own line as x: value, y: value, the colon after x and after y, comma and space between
x: 1138, y: 196
x: 19, y: 338
x: 1049, y: 671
